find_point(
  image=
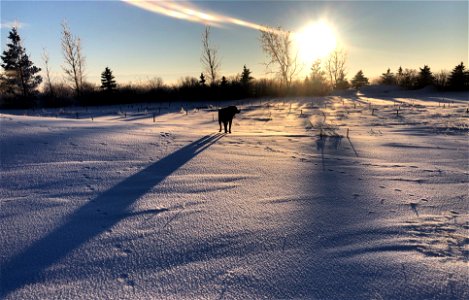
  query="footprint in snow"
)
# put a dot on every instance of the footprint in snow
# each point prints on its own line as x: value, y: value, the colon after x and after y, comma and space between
x: 123, y: 278
x: 126, y: 281
x: 413, y: 206
x: 398, y: 190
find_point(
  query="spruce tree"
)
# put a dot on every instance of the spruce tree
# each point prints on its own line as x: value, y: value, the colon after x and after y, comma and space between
x: 359, y: 80
x: 388, y: 77
x: 246, y: 76
x: 108, y: 82
x: 425, y: 77
x: 342, y: 82
x: 20, y: 77
x: 202, y: 79
x: 459, y: 78
x: 223, y: 82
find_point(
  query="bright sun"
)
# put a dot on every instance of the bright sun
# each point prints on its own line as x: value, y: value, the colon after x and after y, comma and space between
x: 315, y: 41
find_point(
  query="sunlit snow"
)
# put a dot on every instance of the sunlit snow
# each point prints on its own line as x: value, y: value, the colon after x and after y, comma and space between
x: 343, y: 197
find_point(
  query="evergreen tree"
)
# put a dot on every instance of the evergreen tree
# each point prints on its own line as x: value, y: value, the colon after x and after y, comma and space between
x: 246, y: 76
x: 108, y: 82
x: 425, y: 77
x: 342, y: 83
x: 223, y: 82
x: 202, y: 79
x: 459, y: 78
x: 388, y: 77
x: 359, y: 80
x: 20, y: 73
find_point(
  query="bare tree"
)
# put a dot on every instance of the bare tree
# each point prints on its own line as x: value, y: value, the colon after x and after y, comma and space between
x: 74, y: 61
x: 335, y: 66
x: 48, y: 83
x: 209, y: 58
x: 277, y: 46
x: 441, y: 79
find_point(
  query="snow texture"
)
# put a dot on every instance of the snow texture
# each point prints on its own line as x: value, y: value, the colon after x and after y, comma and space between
x: 344, y: 197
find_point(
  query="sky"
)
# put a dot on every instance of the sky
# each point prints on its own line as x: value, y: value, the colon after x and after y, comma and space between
x: 139, y: 44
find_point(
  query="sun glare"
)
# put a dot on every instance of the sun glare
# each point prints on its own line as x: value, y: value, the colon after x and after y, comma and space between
x: 314, y: 41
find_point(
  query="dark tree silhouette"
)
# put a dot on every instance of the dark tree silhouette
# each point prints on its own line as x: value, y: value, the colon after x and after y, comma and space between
x: 209, y: 58
x: 342, y: 82
x: 388, y: 77
x: 407, y: 78
x: 202, y: 79
x: 459, y: 78
x: 399, y: 76
x: 246, y: 76
x: 108, y: 82
x: 425, y: 77
x: 223, y: 82
x: 19, y: 78
x: 359, y: 80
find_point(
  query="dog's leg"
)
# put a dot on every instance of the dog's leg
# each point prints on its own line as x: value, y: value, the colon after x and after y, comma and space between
x: 230, y: 126
x: 225, y: 124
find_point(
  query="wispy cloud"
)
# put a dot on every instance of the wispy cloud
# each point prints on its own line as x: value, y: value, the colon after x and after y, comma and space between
x: 185, y: 10
x: 11, y: 24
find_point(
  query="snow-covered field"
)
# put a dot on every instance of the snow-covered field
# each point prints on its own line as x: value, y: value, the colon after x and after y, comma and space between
x: 116, y: 205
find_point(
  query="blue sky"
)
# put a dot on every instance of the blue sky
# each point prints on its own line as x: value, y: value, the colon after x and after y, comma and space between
x: 138, y: 44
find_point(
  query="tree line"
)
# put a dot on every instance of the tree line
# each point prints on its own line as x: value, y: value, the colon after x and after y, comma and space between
x: 20, y: 79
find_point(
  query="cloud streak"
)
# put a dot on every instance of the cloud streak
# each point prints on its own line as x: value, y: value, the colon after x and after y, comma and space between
x: 186, y: 11
x: 11, y: 24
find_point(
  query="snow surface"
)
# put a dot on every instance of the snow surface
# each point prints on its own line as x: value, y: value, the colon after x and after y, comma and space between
x: 111, y: 205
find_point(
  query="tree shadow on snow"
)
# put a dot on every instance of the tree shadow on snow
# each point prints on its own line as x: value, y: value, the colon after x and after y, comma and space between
x: 97, y: 216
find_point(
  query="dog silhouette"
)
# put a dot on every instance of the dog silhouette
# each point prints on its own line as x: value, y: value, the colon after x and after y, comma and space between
x: 226, y: 115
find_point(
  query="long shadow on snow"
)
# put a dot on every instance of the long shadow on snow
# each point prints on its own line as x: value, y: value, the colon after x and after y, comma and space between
x: 84, y: 224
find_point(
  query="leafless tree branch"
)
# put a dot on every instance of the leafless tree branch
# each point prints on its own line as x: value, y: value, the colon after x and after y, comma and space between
x: 74, y: 61
x: 209, y: 58
x: 276, y: 44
